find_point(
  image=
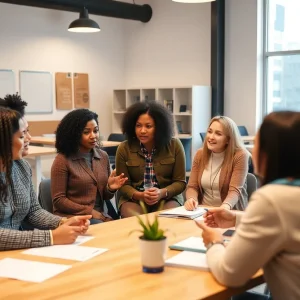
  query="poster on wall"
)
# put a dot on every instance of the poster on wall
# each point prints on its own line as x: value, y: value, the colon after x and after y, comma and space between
x: 81, y: 90
x: 63, y: 90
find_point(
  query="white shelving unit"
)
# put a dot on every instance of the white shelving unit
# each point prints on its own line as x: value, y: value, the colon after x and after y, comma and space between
x: 191, y: 108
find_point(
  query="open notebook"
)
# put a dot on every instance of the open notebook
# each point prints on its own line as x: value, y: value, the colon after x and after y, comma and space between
x: 192, y: 243
x: 181, y: 212
x: 187, y: 259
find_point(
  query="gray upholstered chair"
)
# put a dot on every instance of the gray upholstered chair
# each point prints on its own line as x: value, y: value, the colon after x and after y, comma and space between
x: 251, y: 184
x: 45, y: 197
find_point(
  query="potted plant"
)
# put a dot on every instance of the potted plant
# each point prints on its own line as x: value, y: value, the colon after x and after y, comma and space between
x: 153, y: 242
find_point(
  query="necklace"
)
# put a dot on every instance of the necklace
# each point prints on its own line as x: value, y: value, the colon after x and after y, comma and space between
x: 212, y: 182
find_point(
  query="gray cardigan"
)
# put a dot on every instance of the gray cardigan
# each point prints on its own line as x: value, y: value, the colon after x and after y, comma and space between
x: 22, y: 204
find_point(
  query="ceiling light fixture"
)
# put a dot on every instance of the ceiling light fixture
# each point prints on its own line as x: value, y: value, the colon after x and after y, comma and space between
x: 193, y: 1
x: 84, y: 24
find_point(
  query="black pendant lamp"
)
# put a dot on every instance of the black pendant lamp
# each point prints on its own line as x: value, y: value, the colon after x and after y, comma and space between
x: 84, y: 23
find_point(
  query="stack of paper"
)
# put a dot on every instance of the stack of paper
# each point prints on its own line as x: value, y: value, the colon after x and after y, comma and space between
x: 188, y: 259
x: 192, y: 243
x: 181, y: 212
x: 29, y: 270
x: 72, y: 252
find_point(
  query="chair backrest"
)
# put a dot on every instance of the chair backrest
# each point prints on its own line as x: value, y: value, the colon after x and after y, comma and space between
x: 243, y: 130
x: 203, y: 135
x: 45, y: 197
x: 251, y: 184
x: 116, y: 137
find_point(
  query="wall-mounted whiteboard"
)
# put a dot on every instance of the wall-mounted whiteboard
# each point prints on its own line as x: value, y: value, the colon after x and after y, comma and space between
x: 7, y: 82
x: 36, y: 88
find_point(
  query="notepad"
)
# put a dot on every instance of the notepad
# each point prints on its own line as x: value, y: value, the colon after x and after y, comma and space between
x: 27, y: 270
x: 181, y: 212
x: 187, y: 259
x: 72, y: 252
x: 192, y: 243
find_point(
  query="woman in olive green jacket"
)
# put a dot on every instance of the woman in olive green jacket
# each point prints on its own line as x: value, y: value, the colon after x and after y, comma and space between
x: 153, y: 161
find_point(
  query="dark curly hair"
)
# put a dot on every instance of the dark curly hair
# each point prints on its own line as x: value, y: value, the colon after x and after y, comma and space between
x: 70, y: 128
x: 164, y: 125
x: 14, y: 102
x: 9, y: 125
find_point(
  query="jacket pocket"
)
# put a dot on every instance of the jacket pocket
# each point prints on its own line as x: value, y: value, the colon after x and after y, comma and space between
x: 132, y: 163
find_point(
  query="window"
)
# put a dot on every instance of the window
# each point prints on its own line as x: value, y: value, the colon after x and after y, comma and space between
x: 282, y: 55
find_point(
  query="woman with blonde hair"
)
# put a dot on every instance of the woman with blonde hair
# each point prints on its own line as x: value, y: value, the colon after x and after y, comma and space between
x: 218, y: 176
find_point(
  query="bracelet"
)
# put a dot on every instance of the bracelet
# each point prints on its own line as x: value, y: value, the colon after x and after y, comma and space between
x: 166, y: 194
x: 108, y: 188
x: 214, y: 243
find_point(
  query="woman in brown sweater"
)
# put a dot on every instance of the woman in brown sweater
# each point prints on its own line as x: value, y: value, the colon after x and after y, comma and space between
x: 80, y: 175
x: 218, y: 176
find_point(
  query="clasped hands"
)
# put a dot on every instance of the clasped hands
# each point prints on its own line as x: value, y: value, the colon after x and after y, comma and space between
x: 152, y: 195
x: 70, y: 229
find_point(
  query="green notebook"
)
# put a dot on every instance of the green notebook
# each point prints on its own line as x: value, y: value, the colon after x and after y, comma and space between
x: 194, y: 244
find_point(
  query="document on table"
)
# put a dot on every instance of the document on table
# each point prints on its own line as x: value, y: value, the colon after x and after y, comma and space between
x: 32, y: 271
x: 72, y: 252
x: 188, y: 259
x: 181, y: 212
x: 82, y: 239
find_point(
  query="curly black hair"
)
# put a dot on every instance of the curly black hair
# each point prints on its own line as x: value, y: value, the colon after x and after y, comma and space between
x: 9, y: 125
x: 15, y: 102
x: 70, y: 128
x: 164, y: 125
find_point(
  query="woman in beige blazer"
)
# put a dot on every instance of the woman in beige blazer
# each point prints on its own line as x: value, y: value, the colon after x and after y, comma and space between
x: 218, y: 176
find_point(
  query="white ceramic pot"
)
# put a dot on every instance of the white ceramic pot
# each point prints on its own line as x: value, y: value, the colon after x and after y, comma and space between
x: 153, y: 255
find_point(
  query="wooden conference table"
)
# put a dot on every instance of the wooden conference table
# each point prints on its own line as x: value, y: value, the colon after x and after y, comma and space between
x: 117, y: 273
x: 51, y: 141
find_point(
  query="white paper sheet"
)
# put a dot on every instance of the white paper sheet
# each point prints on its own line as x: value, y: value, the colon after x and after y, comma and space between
x: 72, y: 252
x: 194, y: 260
x: 82, y: 239
x: 32, y: 271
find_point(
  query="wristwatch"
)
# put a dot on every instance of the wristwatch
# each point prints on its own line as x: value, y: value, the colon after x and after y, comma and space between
x: 214, y: 243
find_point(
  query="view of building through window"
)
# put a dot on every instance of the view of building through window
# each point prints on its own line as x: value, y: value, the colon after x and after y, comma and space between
x: 283, y: 55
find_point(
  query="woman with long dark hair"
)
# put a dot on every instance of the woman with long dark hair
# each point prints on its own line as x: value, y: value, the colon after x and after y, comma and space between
x: 18, y: 201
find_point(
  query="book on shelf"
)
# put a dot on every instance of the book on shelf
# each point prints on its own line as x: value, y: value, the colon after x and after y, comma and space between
x: 187, y: 259
x: 169, y: 105
x: 181, y: 213
x: 194, y: 244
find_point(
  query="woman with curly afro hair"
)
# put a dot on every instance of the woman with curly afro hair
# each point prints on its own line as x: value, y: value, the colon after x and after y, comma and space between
x: 81, y: 180
x: 152, y: 160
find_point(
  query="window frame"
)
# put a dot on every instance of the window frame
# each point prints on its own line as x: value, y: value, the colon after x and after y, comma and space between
x: 267, y: 54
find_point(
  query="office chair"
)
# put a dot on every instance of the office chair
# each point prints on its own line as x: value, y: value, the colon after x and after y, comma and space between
x: 243, y: 130
x: 45, y: 198
x: 251, y: 184
x: 111, y: 151
x: 202, y: 135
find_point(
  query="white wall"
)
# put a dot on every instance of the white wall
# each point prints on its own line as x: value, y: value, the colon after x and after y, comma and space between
x: 173, y: 49
x: 242, y: 63
x: 37, y: 39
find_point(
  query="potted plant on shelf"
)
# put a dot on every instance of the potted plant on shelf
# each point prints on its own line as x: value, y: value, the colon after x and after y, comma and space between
x: 153, y: 242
